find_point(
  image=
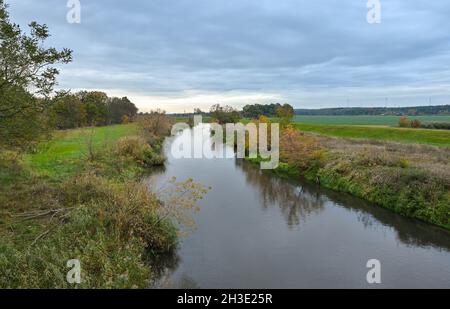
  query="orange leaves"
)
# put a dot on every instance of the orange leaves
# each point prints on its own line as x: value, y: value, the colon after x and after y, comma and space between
x: 296, y: 148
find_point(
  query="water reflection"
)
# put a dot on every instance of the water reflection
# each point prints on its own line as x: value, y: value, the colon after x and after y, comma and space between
x: 410, y: 232
x: 162, y: 267
x: 299, y: 199
x: 294, y: 201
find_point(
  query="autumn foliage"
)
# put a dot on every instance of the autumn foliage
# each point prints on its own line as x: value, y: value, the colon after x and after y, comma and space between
x: 298, y: 149
x: 404, y: 122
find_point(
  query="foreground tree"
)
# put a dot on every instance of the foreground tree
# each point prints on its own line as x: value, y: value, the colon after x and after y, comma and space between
x: 27, y: 79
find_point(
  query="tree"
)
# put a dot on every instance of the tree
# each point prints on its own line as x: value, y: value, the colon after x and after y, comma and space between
x: 117, y: 108
x: 27, y: 79
x: 224, y: 114
x: 91, y: 108
x: 68, y: 112
x: 95, y: 103
x: 198, y: 111
x: 256, y: 110
x: 285, y: 113
x: 154, y: 125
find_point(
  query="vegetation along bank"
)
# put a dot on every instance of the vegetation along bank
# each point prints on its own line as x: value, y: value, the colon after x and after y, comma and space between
x: 80, y: 196
x: 409, y: 179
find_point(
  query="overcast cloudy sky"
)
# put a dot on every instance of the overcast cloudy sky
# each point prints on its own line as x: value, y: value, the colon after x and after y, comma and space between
x: 180, y: 54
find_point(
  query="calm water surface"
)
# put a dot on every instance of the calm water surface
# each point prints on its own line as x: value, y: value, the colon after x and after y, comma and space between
x: 256, y: 230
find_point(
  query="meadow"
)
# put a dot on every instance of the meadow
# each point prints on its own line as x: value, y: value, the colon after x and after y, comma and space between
x: 61, y: 155
x: 365, y: 120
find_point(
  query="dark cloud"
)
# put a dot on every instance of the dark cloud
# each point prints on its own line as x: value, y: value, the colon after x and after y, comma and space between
x: 311, y: 53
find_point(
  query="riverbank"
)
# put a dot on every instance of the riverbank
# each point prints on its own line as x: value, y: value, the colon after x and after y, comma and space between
x: 412, y: 180
x: 79, y: 196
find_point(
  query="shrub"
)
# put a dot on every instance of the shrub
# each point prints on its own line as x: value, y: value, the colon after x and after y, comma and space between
x: 403, y: 163
x: 109, y: 227
x: 151, y: 158
x: 131, y: 146
x: 11, y: 167
x: 125, y: 119
x: 137, y: 149
x: 154, y: 126
x: 224, y: 114
x: 127, y: 210
x: 436, y: 125
x: 10, y: 160
x: 404, y: 122
x: 416, y: 124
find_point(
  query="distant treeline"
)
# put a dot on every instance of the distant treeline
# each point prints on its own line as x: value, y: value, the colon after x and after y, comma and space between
x: 270, y: 110
x: 257, y: 110
x: 252, y: 111
x: 91, y: 108
x: 374, y: 111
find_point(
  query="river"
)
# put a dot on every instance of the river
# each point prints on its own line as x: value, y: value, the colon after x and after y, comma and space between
x: 256, y: 230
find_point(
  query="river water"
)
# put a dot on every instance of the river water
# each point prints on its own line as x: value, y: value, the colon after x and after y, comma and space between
x: 256, y: 230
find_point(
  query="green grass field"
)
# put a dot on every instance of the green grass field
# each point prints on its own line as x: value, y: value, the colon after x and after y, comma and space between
x: 365, y: 120
x: 60, y: 155
x: 439, y: 138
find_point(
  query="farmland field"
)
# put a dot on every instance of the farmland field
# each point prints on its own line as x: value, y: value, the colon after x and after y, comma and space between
x: 439, y: 138
x: 365, y: 120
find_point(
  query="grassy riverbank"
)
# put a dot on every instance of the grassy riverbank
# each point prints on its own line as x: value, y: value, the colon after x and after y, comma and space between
x: 61, y: 155
x: 78, y: 196
x: 409, y: 179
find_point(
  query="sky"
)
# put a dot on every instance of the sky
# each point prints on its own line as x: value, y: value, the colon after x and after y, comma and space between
x: 180, y: 54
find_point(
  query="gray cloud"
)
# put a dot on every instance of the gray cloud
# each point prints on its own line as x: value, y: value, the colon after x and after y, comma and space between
x: 167, y: 53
